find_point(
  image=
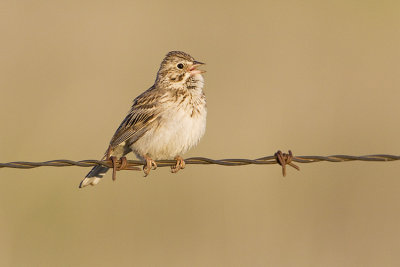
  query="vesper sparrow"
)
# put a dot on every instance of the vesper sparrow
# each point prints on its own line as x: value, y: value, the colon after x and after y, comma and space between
x: 165, y: 121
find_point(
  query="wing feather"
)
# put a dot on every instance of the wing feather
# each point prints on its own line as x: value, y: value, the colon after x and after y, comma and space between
x: 143, y: 114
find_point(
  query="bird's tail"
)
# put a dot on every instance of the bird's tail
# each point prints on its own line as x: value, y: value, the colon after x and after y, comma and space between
x: 94, y: 176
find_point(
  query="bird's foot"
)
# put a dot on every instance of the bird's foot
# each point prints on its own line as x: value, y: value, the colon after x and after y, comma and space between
x: 150, y: 165
x: 180, y: 164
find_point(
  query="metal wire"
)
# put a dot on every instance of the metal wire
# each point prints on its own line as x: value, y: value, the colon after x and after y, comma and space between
x: 200, y: 160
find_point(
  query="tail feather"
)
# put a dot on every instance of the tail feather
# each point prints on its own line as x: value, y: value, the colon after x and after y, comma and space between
x: 94, y: 176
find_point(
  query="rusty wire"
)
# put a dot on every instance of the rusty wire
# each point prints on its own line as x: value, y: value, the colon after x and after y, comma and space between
x: 278, y: 158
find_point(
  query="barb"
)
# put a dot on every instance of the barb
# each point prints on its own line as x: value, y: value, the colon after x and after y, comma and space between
x: 133, y: 164
x: 283, y: 159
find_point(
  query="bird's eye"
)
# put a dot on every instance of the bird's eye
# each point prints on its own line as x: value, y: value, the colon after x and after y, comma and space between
x: 180, y: 66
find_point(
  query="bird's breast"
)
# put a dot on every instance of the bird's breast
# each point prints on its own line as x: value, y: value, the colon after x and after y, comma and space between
x: 179, y: 127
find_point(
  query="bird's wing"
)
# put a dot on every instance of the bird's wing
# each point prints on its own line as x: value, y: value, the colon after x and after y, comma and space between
x: 143, y: 114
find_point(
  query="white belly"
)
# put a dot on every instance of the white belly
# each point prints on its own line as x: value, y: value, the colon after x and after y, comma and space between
x: 178, y: 130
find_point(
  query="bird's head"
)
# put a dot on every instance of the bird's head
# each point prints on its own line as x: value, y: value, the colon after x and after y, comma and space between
x: 178, y: 69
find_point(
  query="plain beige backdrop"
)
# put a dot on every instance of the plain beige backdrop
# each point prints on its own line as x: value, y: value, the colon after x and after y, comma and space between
x: 316, y: 77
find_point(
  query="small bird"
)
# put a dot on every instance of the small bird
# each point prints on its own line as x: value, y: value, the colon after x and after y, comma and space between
x: 164, y: 122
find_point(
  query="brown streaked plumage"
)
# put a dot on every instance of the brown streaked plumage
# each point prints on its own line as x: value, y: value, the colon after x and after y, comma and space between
x: 165, y: 121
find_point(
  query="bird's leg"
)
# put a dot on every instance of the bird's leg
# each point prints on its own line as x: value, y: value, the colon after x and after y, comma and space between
x: 180, y: 164
x: 150, y: 165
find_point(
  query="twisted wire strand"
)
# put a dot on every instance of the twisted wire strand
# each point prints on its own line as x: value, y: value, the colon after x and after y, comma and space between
x: 201, y: 160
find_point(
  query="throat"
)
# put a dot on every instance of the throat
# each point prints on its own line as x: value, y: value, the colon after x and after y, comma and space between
x: 195, y: 83
x: 189, y: 98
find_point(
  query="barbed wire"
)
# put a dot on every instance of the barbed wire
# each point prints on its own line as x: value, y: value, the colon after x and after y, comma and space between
x: 278, y: 158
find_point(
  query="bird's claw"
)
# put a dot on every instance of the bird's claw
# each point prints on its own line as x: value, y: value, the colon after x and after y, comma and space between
x: 180, y: 164
x: 150, y: 165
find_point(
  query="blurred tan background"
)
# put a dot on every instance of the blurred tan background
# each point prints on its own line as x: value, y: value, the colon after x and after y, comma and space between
x: 316, y: 77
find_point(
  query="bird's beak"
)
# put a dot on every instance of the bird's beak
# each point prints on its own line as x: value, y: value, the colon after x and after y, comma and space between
x: 198, y: 63
x: 193, y: 70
